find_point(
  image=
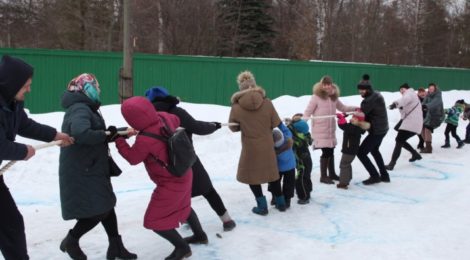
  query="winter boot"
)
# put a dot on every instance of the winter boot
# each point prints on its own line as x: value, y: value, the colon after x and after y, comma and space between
x: 371, y: 180
x: 287, y: 203
x: 331, y: 169
x: 414, y: 154
x: 467, y: 140
x: 199, y: 236
x: 342, y: 186
x: 281, y: 203
x: 117, y: 250
x: 323, y: 171
x: 262, y: 206
x: 395, y: 155
x: 71, y: 246
x: 460, y: 143
x: 303, y: 201
x: 427, y: 148
x: 446, y: 144
x: 182, y: 249
x: 384, y: 177
x: 229, y: 224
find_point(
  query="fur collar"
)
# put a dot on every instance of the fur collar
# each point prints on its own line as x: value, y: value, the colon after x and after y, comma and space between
x: 319, y: 91
x: 237, y: 95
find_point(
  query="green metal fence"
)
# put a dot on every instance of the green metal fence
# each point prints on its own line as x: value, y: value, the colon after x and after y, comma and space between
x: 213, y: 79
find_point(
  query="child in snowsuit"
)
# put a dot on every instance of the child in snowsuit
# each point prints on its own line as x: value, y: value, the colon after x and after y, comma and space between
x: 352, y: 132
x: 452, y: 120
x: 302, y: 140
x: 286, y: 164
x: 170, y: 203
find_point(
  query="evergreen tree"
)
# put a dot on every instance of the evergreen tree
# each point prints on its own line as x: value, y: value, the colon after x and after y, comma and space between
x: 245, y: 28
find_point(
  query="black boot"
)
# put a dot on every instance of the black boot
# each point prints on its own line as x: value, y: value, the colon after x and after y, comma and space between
x: 323, y: 171
x: 182, y: 249
x: 331, y: 169
x: 414, y: 154
x: 460, y: 143
x: 395, y: 155
x: 199, y: 236
x: 446, y: 144
x: 71, y: 246
x: 117, y: 250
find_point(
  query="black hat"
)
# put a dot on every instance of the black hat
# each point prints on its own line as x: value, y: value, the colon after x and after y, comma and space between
x: 405, y: 85
x: 13, y: 75
x: 365, y: 83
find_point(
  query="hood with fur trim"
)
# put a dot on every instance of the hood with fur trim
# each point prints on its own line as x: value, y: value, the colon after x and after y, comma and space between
x: 249, y: 99
x: 319, y: 91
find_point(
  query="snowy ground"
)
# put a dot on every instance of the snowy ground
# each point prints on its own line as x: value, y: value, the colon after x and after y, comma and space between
x: 422, y: 214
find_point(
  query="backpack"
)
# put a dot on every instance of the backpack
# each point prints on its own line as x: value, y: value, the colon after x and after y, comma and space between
x: 181, y: 152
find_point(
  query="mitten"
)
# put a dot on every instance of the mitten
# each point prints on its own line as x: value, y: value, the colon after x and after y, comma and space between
x: 341, y: 118
x: 392, y: 106
x: 218, y: 125
x: 111, y: 137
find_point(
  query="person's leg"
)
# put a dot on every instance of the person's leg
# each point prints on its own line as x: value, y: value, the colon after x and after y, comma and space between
x: 453, y: 131
x: 116, y: 248
x: 331, y: 164
x: 303, y: 183
x: 446, y: 134
x: 324, y: 163
x: 12, y: 231
x: 365, y: 148
x: 384, y: 177
x: 182, y: 249
x: 345, y: 170
x: 467, y: 133
x: 199, y: 236
x: 421, y: 141
x: 427, y: 135
x: 288, y: 186
x: 262, y: 204
x: 275, y: 187
x: 216, y: 203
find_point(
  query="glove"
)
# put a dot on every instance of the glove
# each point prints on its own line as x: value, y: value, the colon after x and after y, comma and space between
x: 341, y: 118
x: 392, y: 106
x: 113, y: 135
x: 218, y: 125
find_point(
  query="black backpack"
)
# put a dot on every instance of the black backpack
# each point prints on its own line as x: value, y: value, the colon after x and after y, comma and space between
x: 181, y: 152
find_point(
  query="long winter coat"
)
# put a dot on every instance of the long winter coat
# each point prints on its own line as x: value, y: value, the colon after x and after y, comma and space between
x: 85, y: 184
x: 256, y: 117
x: 434, y: 109
x: 170, y: 203
x: 410, y: 111
x: 202, y: 183
x: 375, y: 111
x: 323, y: 104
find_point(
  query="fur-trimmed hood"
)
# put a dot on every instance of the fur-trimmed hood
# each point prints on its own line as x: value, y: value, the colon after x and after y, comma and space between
x: 319, y: 91
x: 249, y: 99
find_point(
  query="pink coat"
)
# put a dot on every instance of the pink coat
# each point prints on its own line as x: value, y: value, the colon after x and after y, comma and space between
x: 170, y: 203
x: 324, y: 104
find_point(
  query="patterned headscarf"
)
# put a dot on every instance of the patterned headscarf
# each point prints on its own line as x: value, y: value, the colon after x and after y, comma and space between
x: 86, y: 83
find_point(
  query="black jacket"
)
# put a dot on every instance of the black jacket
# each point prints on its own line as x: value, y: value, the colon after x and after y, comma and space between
x: 375, y: 111
x: 351, y: 138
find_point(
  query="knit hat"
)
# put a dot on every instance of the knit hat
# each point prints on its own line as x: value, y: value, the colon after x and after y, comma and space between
x: 365, y: 83
x: 246, y: 80
x: 87, y: 84
x: 300, y: 126
x: 278, y: 138
x: 14, y: 73
x: 405, y: 86
x: 326, y: 80
x: 156, y: 92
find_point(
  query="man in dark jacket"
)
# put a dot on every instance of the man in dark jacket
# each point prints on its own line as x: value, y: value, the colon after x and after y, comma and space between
x: 15, y: 81
x: 373, y: 106
x: 202, y: 185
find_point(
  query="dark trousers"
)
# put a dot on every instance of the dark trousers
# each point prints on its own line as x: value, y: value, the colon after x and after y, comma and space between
x: 12, y: 235
x: 288, y: 184
x: 452, y: 129
x: 371, y: 144
x: 108, y: 220
x: 467, y: 133
x: 215, y: 201
x: 303, y: 183
x: 274, y: 186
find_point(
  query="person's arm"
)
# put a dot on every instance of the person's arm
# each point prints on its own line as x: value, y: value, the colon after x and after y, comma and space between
x: 80, y: 128
x: 31, y: 129
x: 194, y: 126
x: 134, y: 154
x: 233, y: 119
x: 11, y: 150
x: 310, y: 109
x: 343, y: 108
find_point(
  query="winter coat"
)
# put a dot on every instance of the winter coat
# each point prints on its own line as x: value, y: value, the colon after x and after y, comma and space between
x: 410, y: 111
x: 285, y: 155
x: 84, y: 181
x: 13, y: 121
x: 434, y: 109
x: 170, y: 203
x: 202, y: 183
x: 453, y: 115
x: 324, y: 104
x: 256, y: 117
x: 302, y: 141
x: 351, y: 138
x: 375, y: 111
